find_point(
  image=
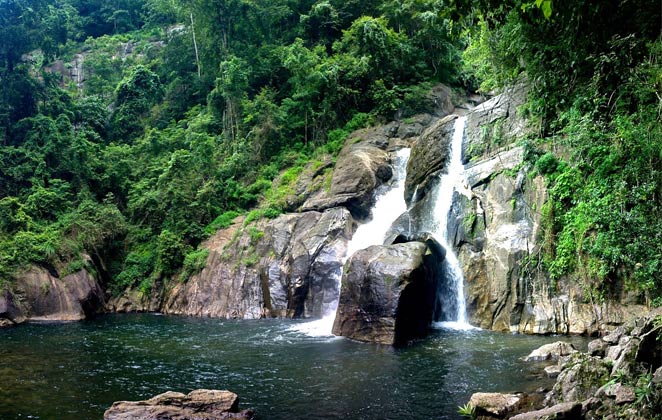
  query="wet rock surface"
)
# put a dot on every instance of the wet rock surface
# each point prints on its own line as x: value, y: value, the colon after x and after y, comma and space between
x: 388, y: 293
x: 588, y: 386
x: 201, y: 404
x: 285, y: 267
x: 429, y: 158
x: 39, y: 295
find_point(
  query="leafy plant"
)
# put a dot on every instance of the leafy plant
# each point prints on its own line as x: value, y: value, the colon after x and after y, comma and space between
x: 467, y: 410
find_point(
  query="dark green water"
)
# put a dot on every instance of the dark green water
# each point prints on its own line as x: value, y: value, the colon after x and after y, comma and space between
x: 76, y: 370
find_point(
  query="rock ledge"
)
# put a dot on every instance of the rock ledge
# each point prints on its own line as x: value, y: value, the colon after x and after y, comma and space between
x: 201, y: 404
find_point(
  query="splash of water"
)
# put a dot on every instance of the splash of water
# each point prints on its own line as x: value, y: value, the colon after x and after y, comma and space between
x: 389, y: 204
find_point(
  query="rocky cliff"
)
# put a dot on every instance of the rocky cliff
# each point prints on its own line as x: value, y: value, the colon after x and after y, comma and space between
x: 290, y: 266
x: 286, y: 267
x: 40, y: 295
x: 498, y: 236
x: 495, y: 227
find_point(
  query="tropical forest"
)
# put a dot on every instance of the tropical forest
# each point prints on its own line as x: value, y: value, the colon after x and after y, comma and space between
x: 380, y: 209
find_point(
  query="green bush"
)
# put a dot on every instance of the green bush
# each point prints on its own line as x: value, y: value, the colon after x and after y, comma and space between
x: 138, y: 266
x: 169, y: 252
x: 221, y: 222
x: 546, y: 164
x: 194, y: 262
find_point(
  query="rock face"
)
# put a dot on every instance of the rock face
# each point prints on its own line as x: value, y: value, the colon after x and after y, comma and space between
x: 39, y: 295
x: 429, y: 158
x: 284, y: 267
x: 494, y: 123
x: 201, y: 404
x: 388, y: 293
x: 495, y: 230
x: 364, y: 162
x: 290, y: 266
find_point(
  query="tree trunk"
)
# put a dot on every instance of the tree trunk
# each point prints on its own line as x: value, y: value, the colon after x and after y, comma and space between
x: 195, y: 45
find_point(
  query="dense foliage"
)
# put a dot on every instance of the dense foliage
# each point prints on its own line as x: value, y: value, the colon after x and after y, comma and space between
x: 191, y: 113
x: 185, y: 115
x: 595, y: 69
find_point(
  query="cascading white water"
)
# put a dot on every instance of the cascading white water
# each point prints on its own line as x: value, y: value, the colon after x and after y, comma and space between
x: 452, y: 294
x: 389, y: 205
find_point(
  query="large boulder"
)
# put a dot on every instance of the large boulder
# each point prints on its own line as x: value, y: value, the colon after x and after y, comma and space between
x: 551, y: 351
x: 388, y: 293
x: 496, y: 231
x: 201, y: 404
x: 580, y: 379
x: 288, y: 266
x: 429, y: 158
x: 362, y: 165
x: 493, y: 405
x: 40, y: 295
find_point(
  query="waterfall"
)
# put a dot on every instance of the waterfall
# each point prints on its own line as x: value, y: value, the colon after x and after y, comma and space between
x: 451, y: 292
x: 389, y: 204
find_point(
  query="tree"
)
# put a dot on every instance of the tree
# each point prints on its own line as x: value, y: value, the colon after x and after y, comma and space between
x: 230, y: 91
x: 133, y: 99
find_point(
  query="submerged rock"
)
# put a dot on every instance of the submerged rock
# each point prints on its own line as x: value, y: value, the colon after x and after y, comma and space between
x: 201, y: 404
x: 388, y: 294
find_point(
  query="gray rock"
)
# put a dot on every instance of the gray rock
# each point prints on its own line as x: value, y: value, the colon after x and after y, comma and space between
x: 44, y: 297
x: 414, y: 126
x: 362, y: 165
x: 388, y: 294
x: 657, y: 376
x: 620, y: 393
x: 552, y: 351
x: 201, y: 404
x: 565, y: 411
x: 627, y: 357
x: 597, y: 347
x: 494, y: 404
x: 613, y: 352
x: 429, y: 158
x: 10, y: 314
x: 495, y: 123
x: 580, y: 379
x: 286, y: 267
x: 553, y: 371
x: 614, y: 336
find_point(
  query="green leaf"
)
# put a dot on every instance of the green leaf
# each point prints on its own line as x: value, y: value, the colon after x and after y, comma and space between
x: 547, y: 8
